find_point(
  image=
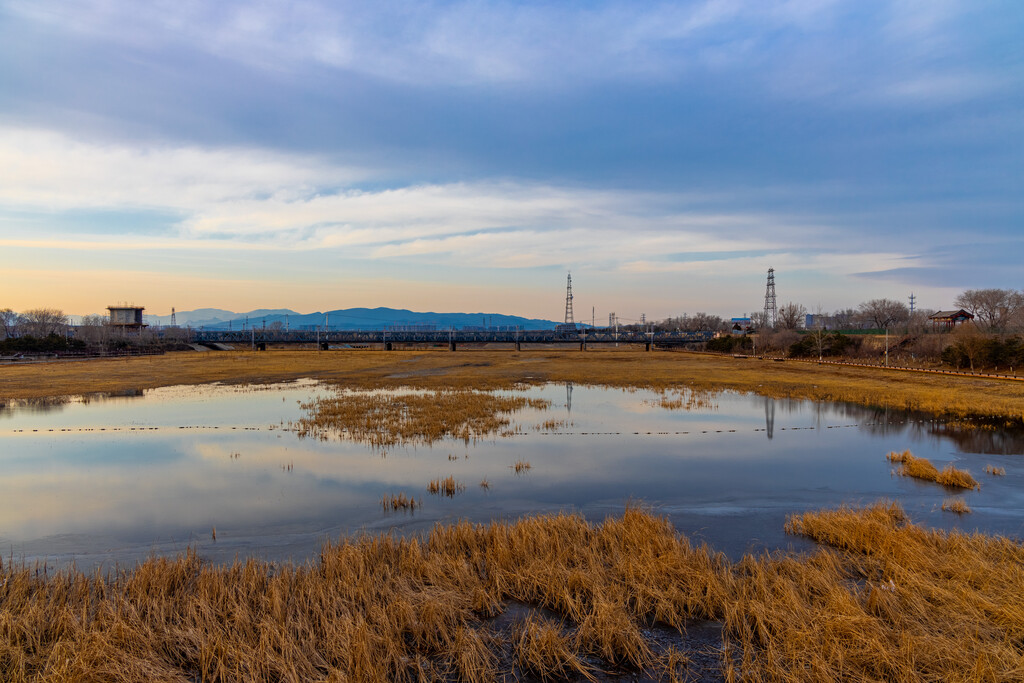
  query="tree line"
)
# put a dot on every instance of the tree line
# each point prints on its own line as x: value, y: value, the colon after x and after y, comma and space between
x: 49, y: 330
x: 994, y: 311
x: 992, y: 340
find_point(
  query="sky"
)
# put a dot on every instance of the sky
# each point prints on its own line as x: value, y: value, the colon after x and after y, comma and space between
x: 464, y: 156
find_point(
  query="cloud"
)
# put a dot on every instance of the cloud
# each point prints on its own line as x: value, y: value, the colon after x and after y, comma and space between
x: 248, y: 199
x: 470, y: 43
x: 47, y: 169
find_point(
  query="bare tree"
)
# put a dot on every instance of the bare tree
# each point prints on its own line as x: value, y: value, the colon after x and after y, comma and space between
x: 41, y: 322
x: 818, y: 334
x: 993, y: 309
x: 8, y: 323
x: 791, y: 315
x: 970, y: 340
x: 93, y: 329
x: 705, y: 322
x: 883, y: 313
x: 845, y: 318
x: 917, y: 323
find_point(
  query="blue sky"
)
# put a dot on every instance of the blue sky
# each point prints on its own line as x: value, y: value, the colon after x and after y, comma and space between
x: 465, y: 155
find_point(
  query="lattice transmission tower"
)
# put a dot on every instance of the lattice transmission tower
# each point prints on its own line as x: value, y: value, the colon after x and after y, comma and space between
x: 568, y: 301
x: 771, y: 314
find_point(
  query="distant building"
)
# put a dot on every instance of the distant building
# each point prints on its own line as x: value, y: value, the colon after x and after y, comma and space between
x: 126, y: 317
x: 741, y: 325
x: 949, y: 319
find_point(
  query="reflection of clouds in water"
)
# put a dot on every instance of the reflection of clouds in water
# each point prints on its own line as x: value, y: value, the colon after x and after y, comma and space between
x: 141, y: 485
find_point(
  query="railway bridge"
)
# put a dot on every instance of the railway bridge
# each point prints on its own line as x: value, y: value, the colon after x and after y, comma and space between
x: 584, y: 337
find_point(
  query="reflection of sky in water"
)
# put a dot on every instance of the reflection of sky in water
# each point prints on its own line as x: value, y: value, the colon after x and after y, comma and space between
x: 161, y: 474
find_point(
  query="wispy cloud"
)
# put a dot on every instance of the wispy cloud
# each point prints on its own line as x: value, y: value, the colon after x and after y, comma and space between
x: 510, y: 42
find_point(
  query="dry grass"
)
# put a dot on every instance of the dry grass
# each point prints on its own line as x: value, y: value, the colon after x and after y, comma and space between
x: 995, y: 471
x: 521, y: 466
x: 922, y: 468
x: 542, y: 650
x: 954, y: 478
x: 699, y: 399
x: 484, y: 484
x: 899, y: 457
x: 947, y: 396
x: 399, y: 502
x: 956, y: 505
x: 445, y: 487
x: 550, y: 425
x: 891, y: 601
x: 882, y: 600
x: 385, y: 419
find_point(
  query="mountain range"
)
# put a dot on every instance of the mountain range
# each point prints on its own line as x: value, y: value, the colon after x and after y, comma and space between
x: 342, y: 319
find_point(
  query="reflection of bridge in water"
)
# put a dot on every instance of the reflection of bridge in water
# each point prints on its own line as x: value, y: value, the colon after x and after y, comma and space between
x: 450, y: 338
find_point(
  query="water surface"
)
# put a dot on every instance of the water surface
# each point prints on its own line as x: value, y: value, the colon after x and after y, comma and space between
x: 116, y: 479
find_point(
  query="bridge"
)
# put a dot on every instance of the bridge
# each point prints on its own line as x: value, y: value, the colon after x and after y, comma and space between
x: 260, y: 338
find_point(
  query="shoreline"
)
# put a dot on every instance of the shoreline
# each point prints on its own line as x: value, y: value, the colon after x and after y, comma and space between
x: 946, y: 396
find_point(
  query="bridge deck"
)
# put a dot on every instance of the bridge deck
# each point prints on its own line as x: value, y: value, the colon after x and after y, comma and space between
x: 598, y: 336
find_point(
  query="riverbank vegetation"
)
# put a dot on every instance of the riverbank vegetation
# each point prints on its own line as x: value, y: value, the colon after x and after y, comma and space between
x: 949, y: 397
x: 548, y: 597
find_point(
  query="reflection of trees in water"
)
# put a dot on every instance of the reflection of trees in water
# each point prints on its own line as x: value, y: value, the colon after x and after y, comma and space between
x: 33, y: 405
x: 975, y: 437
x: 53, y: 404
x: 997, y: 441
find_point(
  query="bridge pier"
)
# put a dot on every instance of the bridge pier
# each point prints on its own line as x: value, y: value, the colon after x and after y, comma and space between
x: 324, y: 346
x: 451, y: 346
x: 647, y: 346
x: 388, y: 346
x: 518, y: 347
x: 583, y: 346
x: 261, y: 346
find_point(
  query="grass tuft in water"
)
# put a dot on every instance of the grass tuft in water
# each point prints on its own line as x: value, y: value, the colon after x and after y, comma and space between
x: 445, y: 487
x: 955, y: 505
x: 399, y: 502
x: 921, y: 468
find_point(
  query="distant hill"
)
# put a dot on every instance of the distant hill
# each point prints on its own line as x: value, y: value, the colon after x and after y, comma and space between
x: 344, y: 319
